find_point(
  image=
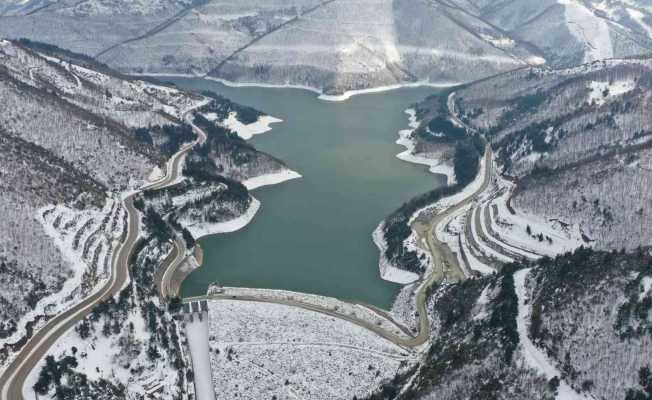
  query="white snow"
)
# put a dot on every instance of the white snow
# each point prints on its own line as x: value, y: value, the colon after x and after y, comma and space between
x: 202, y: 229
x: 639, y: 17
x: 502, y: 42
x: 646, y: 287
x: 247, y: 131
x: 536, y: 60
x: 313, y: 301
x: 468, y: 190
x: 512, y: 228
x: 326, y: 97
x: 259, y: 350
x: 488, y: 251
x: 156, y: 174
x: 350, y: 93
x: 102, y: 357
x: 532, y: 354
x: 70, y: 292
x: 387, y: 271
x: 601, y: 91
x: 197, y: 334
x: 490, y: 238
x: 589, y: 29
x: 435, y: 164
x: 270, y: 179
x: 481, y: 305
x: 475, y: 264
x: 452, y: 229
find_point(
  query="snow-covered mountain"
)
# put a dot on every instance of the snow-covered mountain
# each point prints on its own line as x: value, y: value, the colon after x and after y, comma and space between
x: 66, y: 142
x: 75, y: 138
x: 573, y: 327
x: 574, y: 145
x: 577, y: 139
x: 337, y: 45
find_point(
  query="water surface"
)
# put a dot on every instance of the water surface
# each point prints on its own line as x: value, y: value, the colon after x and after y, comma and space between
x: 314, y: 234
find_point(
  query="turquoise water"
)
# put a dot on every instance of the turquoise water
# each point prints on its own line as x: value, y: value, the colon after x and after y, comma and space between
x: 314, y: 234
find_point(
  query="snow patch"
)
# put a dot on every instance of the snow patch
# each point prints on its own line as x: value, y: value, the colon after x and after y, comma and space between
x: 202, y: 229
x: 387, y: 271
x: 270, y: 179
x: 639, y: 17
x: 156, y: 174
x: 288, y: 352
x: 350, y: 93
x: 646, y: 287
x: 436, y: 166
x: 588, y: 29
x: 502, y: 42
x: 512, y: 228
x: 601, y: 91
x: 247, y: 131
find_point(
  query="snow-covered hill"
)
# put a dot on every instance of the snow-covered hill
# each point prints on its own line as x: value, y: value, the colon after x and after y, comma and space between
x: 577, y: 139
x: 574, y: 327
x: 68, y: 148
x: 64, y: 146
x: 335, y: 45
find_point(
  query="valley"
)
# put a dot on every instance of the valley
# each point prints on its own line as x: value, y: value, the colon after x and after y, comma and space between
x: 367, y: 199
x: 313, y: 234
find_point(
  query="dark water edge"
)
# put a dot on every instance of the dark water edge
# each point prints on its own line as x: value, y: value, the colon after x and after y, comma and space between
x: 314, y: 234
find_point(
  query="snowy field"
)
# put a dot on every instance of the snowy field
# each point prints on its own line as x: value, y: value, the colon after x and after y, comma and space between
x: 114, y: 357
x: 260, y: 350
x: 247, y: 131
x: 588, y: 29
x: 331, y: 304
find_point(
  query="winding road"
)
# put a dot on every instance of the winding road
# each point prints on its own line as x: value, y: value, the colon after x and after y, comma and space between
x: 13, y: 378
x: 444, y: 261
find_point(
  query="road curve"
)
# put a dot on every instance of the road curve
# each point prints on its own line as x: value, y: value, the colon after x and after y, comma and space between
x: 165, y: 273
x: 13, y: 378
x: 443, y: 258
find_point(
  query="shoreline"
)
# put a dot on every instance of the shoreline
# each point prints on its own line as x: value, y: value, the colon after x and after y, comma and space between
x: 248, y: 131
x: 271, y: 179
x: 434, y: 165
x: 209, y: 229
x: 204, y: 229
x: 389, y: 272
x: 346, y: 95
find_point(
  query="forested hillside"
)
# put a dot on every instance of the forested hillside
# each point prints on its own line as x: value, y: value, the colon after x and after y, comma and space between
x: 578, y: 141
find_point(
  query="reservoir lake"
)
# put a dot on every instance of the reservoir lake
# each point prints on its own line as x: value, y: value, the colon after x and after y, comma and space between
x: 313, y: 234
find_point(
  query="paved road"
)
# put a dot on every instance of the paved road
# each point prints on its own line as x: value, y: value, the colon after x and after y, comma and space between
x: 37, y: 347
x: 13, y: 379
x: 165, y: 273
x: 443, y: 260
